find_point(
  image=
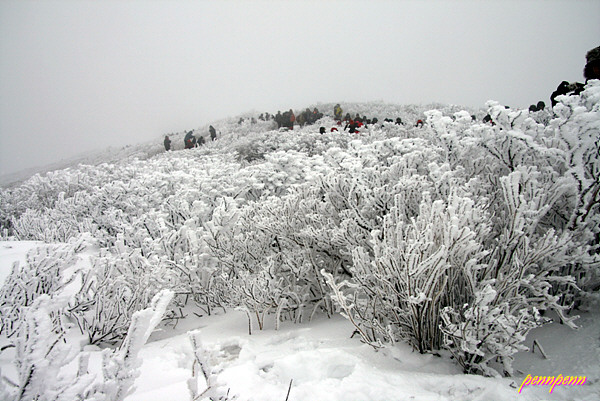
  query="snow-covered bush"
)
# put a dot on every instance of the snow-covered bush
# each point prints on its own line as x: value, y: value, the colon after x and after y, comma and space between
x: 44, y: 360
x: 486, y: 330
x: 577, y: 131
x: 419, y: 264
x: 112, y: 291
x: 255, y: 273
x: 120, y: 367
x: 42, y: 356
x: 411, y: 230
x: 500, y: 229
x: 44, y: 273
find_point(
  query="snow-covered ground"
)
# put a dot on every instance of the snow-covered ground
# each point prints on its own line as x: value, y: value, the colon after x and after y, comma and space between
x: 318, y: 361
x: 135, y: 221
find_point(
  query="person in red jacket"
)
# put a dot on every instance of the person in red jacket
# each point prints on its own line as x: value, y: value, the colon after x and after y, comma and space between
x: 189, y: 141
x: 292, y: 120
x: 353, y: 125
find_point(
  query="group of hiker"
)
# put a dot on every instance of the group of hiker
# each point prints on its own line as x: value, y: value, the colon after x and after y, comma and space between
x: 354, y: 123
x: 590, y: 71
x: 288, y: 118
x: 190, y: 141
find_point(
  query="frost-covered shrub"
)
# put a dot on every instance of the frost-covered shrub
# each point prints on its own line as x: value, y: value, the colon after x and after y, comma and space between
x: 255, y: 274
x: 42, y: 356
x: 522, y: 264
x: 112, y: 291
x: 251, y: 150
x: 44, y: 360
x: 485, y: 331
x: 44, y: 273
x: 577, y: 129
x: 565, y: 154
x: 120, y: 368
x: 419, y: 265
x: 525, y: 239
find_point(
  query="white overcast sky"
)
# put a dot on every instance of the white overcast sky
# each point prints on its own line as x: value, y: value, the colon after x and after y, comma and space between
x: 82, y: 75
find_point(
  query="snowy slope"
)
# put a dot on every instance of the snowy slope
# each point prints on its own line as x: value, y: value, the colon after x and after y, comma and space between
x: 321, y: 359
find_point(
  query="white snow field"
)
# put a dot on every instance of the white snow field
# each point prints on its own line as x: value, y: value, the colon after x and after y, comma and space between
x: 293, y: 265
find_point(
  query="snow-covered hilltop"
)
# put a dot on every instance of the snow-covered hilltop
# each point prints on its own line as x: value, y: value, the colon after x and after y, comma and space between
x: 444, y: 247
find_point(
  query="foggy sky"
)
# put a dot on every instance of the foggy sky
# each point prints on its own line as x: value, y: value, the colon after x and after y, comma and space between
x: 82, y: 75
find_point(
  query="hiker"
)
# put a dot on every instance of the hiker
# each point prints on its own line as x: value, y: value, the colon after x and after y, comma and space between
x: 301, y: 119
x: 167, y: 143
x: 488, y: 119
x: 353, y: 125
x: 278, y: 119
x: 285, y: 119
x: 592, y: 66
x: 200, y: 141
x: 566, y: 88
x: 337, y: 112
x: 213, y: 133
x: 590, y: 71
x: 316, y: 115
x: 291, y: 120
x: 321, y: 130
x: 399, y: 121
x: 419, y: 124
x: 189, y: 140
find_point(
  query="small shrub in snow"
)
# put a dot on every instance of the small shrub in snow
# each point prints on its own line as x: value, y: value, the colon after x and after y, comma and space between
x: 43, y: 357
x: 120, y: 368
x: 487, y: 330
x: 42, y: 274
x: 418, y: 266
x: 112, y: 291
